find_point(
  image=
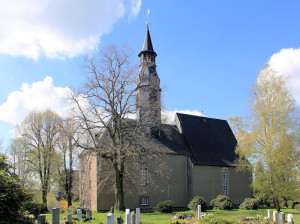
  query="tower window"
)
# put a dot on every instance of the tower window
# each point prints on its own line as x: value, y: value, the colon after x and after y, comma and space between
x: 144, y: 173
x: 225, y: 182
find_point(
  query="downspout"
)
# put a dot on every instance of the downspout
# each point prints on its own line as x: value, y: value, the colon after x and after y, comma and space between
x: 186, y: 175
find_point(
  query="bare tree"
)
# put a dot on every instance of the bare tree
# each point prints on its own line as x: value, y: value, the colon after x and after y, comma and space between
x: 67, y: 145
x: 40, y: 131
x: 101, y: 110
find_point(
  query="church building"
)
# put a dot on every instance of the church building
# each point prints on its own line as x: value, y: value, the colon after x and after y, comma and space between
x: 200, y: 155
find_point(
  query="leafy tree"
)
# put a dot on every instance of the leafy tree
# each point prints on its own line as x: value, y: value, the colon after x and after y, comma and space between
x: 12, y: 195
x: 269, y: 138
x: 40, y: 131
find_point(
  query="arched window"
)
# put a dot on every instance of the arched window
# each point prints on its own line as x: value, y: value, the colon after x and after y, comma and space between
x: 225, y: 181
x: 144, y: 173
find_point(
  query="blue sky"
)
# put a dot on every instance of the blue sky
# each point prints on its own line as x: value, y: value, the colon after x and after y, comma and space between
x: 209, y: 52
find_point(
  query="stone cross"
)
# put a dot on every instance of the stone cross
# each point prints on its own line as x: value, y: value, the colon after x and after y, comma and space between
x: 110, y: 218
x: 79, y: 214
x: 132, y: 217
x: 138, y: 216
x: 282, y: 217
x: 275, y: 217
x: 41, y: 219
x: 199, y: 212
x: 70, y: 218
x: 55, y: 215
x: 270, y: 215
x: 290, y: 218
x: 127, y: 216
x: 119, y: 220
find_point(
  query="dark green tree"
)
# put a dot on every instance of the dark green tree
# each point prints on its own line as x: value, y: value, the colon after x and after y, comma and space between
x: 12, y: 195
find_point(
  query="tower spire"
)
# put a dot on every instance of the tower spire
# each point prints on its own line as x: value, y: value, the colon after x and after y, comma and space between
x: 147, y: 46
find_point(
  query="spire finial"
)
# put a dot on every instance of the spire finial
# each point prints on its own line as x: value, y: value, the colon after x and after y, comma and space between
x: 148, y: 12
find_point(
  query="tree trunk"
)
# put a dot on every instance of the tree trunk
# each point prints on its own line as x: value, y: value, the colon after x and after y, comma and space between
x: 277, y: 204
x: 119, y: 194
x: 44, y: 198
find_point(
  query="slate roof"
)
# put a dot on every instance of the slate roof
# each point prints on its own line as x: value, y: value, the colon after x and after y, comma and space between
x: 210, y: 141
x: 147, y: 46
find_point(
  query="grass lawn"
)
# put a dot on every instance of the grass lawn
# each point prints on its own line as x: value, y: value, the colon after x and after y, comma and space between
x: 159, y: 218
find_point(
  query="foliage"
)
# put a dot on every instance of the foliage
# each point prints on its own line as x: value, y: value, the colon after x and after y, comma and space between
x: 12, y: 195
x: 221, y: 202
x: 164, y: 206
x: 211, y: 219
x: 40, y: 131
x: 249, y: 204
x: 269, y: 138
x: 63, y: 205
x: 197, y: 200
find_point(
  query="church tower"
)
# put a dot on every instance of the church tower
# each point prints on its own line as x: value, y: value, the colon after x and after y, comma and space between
x: 148, y: 99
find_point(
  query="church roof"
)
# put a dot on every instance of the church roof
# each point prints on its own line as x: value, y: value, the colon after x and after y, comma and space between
x: 147, y: 46
x: 210, y: 141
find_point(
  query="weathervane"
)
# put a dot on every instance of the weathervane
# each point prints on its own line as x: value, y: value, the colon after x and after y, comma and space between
x: 147, y: 17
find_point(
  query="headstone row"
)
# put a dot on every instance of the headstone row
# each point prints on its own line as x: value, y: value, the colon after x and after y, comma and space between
x: 290, y: 218
x: 130, y: 218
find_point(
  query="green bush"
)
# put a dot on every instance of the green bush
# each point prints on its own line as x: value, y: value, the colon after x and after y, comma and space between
x: 290, y: 203
x: 210, y: 219
x: 221, y: 202
x: 164, y: 206
x: 249, y: 204
x: 193, y: 205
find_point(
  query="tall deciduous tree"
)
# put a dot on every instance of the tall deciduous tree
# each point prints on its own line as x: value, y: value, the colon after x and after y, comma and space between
x: 67, y: 144
x: 101, y: 111
x: 269, y: 137
x: 40, y: 131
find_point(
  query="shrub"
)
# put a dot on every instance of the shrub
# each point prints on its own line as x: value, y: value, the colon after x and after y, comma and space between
x: 249, y: 204
x: 221, y: 202
x: 63, y: 205
x: 164, y: 206
x: 193, y: 205
x: 290, y: 203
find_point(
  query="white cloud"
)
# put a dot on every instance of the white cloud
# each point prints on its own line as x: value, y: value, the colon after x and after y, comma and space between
x: 168, y: 117
x: 287, y: 62
x: 40, y: 95
x: 58, y: 29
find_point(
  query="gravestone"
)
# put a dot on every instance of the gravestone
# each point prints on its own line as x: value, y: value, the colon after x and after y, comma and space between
x: 88, y: 213
x: 119, y: 220
x: 132, y: 217
x: 282, y: 217
x: 41, y: 219
x: 290, y: 218
x: 79, y: 214
x: 270, y: 215
x: 275, y: 217
x: 35, y: 213
x: 138, y: 216
x: 55, y: 215
x: 127, y: 216
x: 199, y: 212
x: 110, y: 218
x: 70, y: 218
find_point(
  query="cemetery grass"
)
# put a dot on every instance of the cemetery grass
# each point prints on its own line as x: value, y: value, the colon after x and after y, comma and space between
x: 165, y: 218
